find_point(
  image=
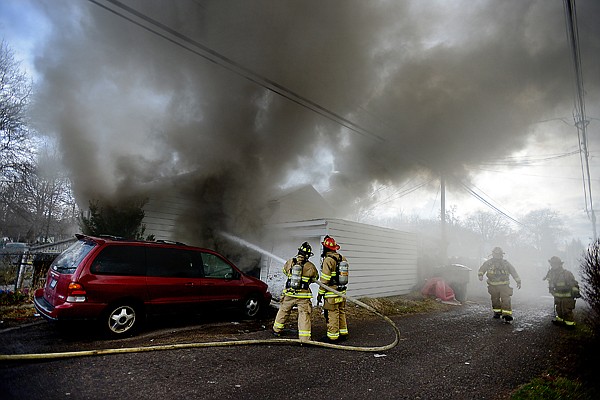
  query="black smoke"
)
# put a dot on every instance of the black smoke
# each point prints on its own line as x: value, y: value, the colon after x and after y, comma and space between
x: 435, y: 86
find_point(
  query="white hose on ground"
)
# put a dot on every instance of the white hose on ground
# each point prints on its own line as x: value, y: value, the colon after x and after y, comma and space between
x: 101, y: 352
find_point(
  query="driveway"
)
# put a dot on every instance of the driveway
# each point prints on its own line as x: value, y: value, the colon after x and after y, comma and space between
x: 460, y: 353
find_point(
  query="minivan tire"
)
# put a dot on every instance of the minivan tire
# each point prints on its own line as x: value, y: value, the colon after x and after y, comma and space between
x: 121, y: 320
x: 252, y: 307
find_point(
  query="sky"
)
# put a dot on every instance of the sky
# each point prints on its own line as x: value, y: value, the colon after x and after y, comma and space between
x: 370, y: 102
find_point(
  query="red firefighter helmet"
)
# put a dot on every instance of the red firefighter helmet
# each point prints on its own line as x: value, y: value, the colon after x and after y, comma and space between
x: 330, y: 243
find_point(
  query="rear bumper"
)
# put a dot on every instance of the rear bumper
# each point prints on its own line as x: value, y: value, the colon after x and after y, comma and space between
x: 66, y: 311
x: 43, y: 307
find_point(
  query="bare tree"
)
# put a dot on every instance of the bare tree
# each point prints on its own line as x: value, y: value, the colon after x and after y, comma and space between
x: 491, y: 227
x: 542, y: 230
x: 15, y: 90
x: 15, y: 139
x: 35, y: 197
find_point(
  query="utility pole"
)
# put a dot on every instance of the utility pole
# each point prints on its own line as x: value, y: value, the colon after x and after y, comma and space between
x: 444, y: 244
x: 581, y: 122
x: 581, y: 125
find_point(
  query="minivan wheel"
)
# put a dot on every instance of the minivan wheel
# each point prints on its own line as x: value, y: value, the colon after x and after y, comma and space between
x: 121, y: 320
x: 252, y: 307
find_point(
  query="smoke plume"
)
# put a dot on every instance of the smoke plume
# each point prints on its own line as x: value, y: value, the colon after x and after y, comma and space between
x: 434, y: 86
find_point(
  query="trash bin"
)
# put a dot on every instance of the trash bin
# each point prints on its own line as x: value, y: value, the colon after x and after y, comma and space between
x: 457, y: 276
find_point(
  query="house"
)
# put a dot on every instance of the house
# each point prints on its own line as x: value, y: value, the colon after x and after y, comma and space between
x: 383, y: 261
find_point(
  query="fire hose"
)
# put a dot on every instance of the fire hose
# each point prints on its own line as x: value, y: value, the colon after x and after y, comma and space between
x: 100, y: 352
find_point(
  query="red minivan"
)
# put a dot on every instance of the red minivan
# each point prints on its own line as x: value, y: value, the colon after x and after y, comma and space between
x: 119, y: 282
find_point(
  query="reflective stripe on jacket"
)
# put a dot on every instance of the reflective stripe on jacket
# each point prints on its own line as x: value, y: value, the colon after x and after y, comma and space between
x: 562, y: 283
x: 309, y: 275
x: 329, y: 274
x: 498, y: 272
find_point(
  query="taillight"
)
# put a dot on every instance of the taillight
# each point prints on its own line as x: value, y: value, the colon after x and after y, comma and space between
x: 76, y: 293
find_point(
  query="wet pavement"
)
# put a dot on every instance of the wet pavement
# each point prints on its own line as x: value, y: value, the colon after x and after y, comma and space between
x: 461, y: 353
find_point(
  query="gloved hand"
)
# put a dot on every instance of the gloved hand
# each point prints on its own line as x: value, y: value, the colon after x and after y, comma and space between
x: 519, y: 285
x: 319, y: 299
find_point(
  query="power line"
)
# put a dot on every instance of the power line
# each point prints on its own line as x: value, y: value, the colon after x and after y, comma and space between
x: 487, y: 202
x: 189, y: 44
x: 579, y: 116
x: 531, y: 175
x: 528, y: 161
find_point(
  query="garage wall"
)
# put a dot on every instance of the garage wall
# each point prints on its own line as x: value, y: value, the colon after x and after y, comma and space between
x: 161, y: 215
x: 383, y: 262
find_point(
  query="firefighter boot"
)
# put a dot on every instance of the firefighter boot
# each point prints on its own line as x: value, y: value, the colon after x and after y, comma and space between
x: 497, y: 315
x: 507, y: 319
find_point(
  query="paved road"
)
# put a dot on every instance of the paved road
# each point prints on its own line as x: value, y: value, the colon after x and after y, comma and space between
x: 461, y: 353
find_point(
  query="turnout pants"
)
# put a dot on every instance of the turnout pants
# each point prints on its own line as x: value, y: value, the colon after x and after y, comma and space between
x: 335, y: 308
x: 304, y: 310
x: 500, y: 295
x: 564, y: 309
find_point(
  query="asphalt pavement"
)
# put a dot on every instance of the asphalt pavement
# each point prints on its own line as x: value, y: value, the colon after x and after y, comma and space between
x: 460, y: 353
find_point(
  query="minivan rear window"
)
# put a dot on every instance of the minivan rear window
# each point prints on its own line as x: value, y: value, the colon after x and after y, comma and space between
x: 120, y: 260
x: 68, y: 260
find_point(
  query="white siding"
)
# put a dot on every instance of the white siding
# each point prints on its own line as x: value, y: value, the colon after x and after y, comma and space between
x: 161, y: 215
x: 383, y: 262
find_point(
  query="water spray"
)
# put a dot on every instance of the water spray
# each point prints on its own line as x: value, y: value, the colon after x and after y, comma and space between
x: 327, y: 288
x: 100, y: 352
x: 251, y: 246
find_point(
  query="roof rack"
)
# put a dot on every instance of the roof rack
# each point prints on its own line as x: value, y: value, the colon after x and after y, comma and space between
x: 112, y: 237
x: 170, y: 242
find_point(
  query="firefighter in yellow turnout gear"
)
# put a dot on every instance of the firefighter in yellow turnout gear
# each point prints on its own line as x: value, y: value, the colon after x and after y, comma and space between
x: 498, y: 271
x: 300, y: 274
x: 565, y: 289
x: 334, y: 273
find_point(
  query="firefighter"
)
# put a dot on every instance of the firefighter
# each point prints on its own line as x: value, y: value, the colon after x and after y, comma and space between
x: 565, y: 289
x: 300, y: 274
x: 334, y: 273
x: 498, y: 271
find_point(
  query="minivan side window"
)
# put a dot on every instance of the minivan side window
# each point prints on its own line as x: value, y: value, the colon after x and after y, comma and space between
x: 216, y: 267
x: 168, y: 262
x: 119, y: 260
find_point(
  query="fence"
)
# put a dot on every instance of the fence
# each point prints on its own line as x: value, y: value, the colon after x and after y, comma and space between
x: 22, y: 270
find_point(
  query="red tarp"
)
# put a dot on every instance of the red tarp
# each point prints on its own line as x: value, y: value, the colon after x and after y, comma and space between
x: 439, y: 288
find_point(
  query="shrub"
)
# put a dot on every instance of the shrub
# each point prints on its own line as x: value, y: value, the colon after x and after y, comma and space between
x: 10, y: 298
x: 590, y: 290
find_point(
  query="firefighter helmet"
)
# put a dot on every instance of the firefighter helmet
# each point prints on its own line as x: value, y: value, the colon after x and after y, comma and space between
x: 555, y: 261
x: 497, y: 251
x: 305, y: 250
x: 330, y: 243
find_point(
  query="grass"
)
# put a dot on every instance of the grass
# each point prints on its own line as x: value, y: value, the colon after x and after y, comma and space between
x: 575, y: 378
x: 551, y: 387
x: 396, y: 305
x: 17, y: 312
x: 16, y: 305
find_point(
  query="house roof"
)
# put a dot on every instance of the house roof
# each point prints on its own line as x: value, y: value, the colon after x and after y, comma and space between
x: 299, y: 203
